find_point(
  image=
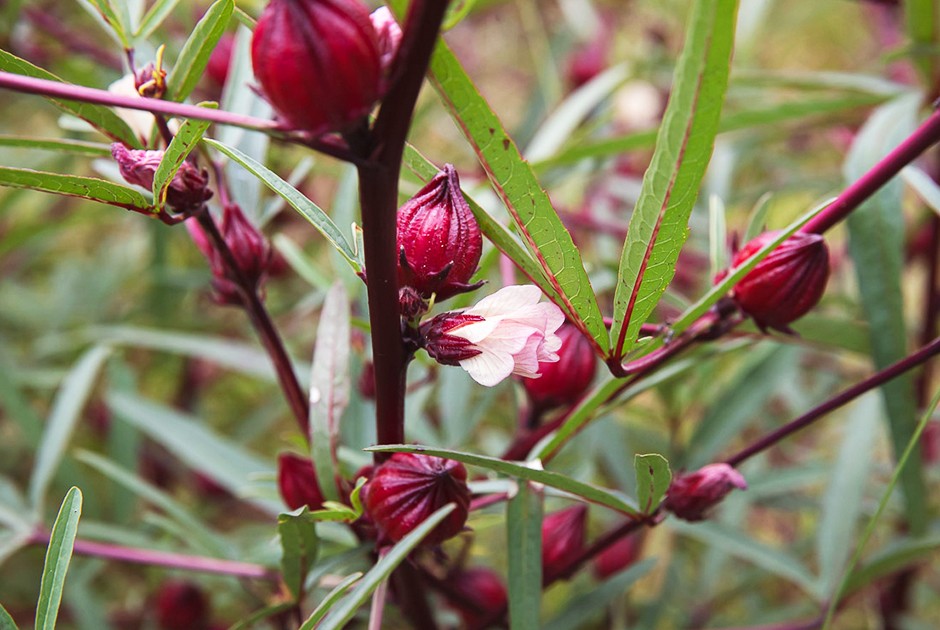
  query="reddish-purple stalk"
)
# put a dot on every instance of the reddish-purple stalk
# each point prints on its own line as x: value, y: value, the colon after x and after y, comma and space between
x: 870, y: 383
x: 135, y: 555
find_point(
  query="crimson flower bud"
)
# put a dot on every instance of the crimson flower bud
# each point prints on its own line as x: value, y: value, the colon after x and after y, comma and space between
x: 188, y: 190
x: 297, y: 481
x: 690, y: 496
x: 786, y: 284
x: 182, y: 606
x: 407, y: 488
x: 479, y: 592
x: 617, y: 556
x: 220, y: 60
x: 563, y: 382
x: 563, y: 537
x: 439, y: 241
x: 318, y: 62
x: 587, y: 61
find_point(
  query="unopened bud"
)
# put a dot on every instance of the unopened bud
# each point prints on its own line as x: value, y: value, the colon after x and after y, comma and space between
x: 318, y: 62
x: 618, y: 556
x: 439, y: 241
x: 786, y: 284
x: 220, y: 60
x: 563, y: 537
x: 182, y: 606
x: 565, y: 381
x: 297, y: 481
x: 691, y: 496
x: 188, y: 190
x: 409, y: 487
x: 479, y: 592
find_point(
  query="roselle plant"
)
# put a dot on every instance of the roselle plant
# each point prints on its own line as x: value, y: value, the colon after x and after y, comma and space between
x: 582, y: 341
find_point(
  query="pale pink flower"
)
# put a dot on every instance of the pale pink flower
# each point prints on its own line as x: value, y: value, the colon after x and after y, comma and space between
x: 389, y: 34
x: 509, y: 332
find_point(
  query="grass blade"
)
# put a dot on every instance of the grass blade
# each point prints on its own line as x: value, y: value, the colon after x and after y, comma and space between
x: 58, y: 557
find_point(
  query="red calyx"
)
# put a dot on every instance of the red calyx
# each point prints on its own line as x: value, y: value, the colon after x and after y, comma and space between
x: 408, y: 488
x: 182, y: 606
x: 786, y: 284
x: 439, y: 241
x: 221, y: 58
x: 618, y: 556
x: 563, y: 382
x: 297, y: 481
x: 563, y: 537
x: 479, y: 593
x: 691, y: 496
x: 318, y: 62
x: 444, y: 348
x: 188, y: 190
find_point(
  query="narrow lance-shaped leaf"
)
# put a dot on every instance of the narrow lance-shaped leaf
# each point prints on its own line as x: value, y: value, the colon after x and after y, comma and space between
x: 61, y: 145
x: 185, y: 140
x: 299, y: 547
x: 154, y: 17
x: 76, y: 186
x: 6, y: 621
x: 307, y: 209
x: 659, y: 225
x: 590, y: 493
x: 110, y: 20
x: 331, y: 598
x: 529, y: 206
x: 98, y: 116
x: 329, y: 386
x: 58, y: 557
x: 524, y: 542
x: 652, y: 480
x: 193, y: 59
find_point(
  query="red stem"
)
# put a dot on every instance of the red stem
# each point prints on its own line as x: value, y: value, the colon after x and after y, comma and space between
x: 136, y: 555
x: 870, y: 383
x: 852, y: 197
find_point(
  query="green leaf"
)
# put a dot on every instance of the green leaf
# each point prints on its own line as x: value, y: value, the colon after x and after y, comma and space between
x: 6, y: 621
x: 251, y: 621
x: 64, y: 415
x: 193, y: 59
x: 542, y: 231
x: 185, y: 140
x: 76, y: 186
x: 923, y: 29
x: 227, y: 463
x: 329, y: 386
x: 113, y: 24
x: 659, y: 225
x: 652, y: 480
x: 740, y: 545
x: 910, y: 450
x: 524, y: 543
x: 345, y: 609
x: 331, y: 598
x: 842, y: 501
x: 894, y: 557
x: 492, y: 229
x: 307, y: 209
x: 58, y: 556
x: 589, y: 493
x: 299, y: 547
x: 59, y: 145
x: 876, y: 245
x: 98, y: 116
x: 156, y: 14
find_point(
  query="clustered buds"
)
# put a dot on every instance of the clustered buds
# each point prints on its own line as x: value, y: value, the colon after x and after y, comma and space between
x: 318, y: 62
x: 297, y: 481
x: 480, y: 592
x: 250, y: 250
x: 786, y: 284
x: 181, y: 605
x: 409, y: 487
x: 563, y: 382
x: 563, y: 538
x: 691, y: 496
x: 439, y: 241
x: 508, y: 332
x: 187, y: 192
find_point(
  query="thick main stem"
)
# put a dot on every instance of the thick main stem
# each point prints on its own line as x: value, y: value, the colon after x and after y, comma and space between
x: 870, y: 383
